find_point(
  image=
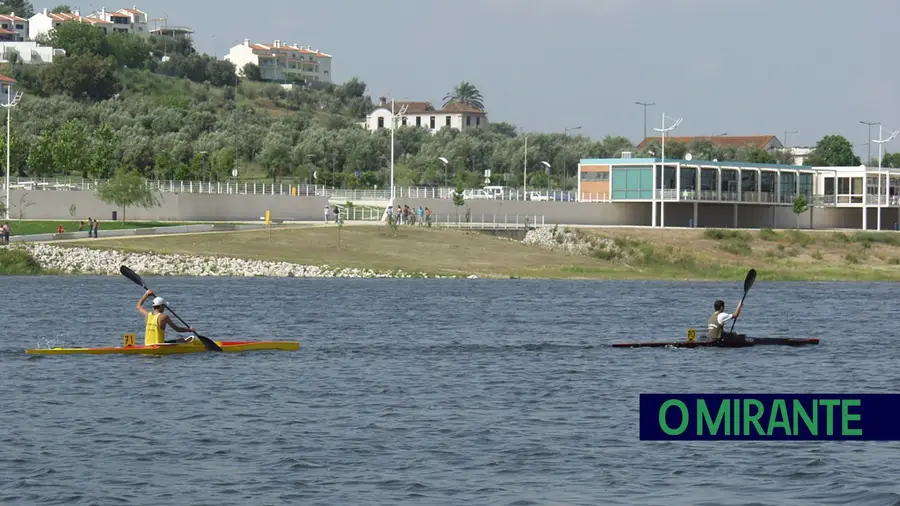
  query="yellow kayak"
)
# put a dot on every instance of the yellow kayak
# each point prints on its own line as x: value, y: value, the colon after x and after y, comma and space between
x: 169, y: 349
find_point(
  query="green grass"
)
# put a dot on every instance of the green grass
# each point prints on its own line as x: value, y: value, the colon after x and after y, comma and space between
x: 14, y: 262
x: 30, y: 227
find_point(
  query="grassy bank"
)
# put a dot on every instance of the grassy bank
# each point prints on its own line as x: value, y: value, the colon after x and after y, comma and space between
x: 610, y: 253
x: 30, y: 227
x: 15, y: 262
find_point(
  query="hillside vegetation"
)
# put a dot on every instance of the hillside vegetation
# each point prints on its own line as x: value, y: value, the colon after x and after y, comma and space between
x: 162, y: 110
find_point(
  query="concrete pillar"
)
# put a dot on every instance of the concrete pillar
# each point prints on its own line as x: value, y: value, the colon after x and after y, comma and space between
x: 865, y: 212
x: 696, y: 213
x: 736, y: 214
x: 774, y: 216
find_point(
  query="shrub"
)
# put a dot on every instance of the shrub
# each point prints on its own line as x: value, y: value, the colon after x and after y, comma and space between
x: 15, y: 261
x: 767, y: 234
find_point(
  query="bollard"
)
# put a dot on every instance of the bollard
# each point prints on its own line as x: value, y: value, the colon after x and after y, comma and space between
x: 268, y: 217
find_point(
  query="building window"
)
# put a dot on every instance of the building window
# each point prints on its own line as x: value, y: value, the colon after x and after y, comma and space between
x: 477, y: 120
x: 432, y: 122
x: 380, y: 122
x: 806, y: 184
x: 20, y: 27
x: 418, y: 120
x: 594, y: 177
x: 829, y: 186
x: 634, y: 182
x: 468, y: 120
x: 404, y: 121
x: 448, y: 121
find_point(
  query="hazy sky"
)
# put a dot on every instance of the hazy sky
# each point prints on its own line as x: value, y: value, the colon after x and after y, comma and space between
x: 743, y: 67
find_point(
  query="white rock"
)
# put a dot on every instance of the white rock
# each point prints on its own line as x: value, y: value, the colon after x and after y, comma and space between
x: 107, y: 262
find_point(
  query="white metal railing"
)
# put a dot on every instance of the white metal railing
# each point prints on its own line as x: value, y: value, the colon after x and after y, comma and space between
x: 477, y: 220
x: 594, y: 197
x: 297, y: 189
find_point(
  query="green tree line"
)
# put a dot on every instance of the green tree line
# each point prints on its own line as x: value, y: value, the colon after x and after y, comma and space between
x: 158, y: 108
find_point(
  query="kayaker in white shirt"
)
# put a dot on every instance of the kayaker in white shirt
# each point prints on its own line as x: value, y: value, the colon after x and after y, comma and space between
x: 715, y: 328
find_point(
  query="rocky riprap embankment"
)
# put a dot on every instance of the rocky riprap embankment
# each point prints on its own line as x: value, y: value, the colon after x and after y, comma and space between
x: 95, y: 261
x: 571, y: 241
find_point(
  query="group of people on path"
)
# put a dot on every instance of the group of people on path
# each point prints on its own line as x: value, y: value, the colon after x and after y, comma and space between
x: 405, y: 215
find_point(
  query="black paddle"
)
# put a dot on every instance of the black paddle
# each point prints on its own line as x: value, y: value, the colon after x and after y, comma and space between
x: 207, y: 342
x: 748, y: 283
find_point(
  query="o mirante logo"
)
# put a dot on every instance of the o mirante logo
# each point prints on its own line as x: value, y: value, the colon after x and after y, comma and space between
x: 862, y: 417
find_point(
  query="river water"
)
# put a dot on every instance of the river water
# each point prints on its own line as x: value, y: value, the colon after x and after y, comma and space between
x: 427, y: 392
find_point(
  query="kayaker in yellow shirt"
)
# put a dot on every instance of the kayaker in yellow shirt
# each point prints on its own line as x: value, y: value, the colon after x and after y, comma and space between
x: 155, y: 330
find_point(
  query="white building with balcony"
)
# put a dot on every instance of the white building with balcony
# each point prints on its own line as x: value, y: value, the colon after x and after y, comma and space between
x: 13, y: 28
x: 280, y: 62
x: 423, y: 114
x: 127, y: 20
x: 122, y: 21
x: 28, y: 52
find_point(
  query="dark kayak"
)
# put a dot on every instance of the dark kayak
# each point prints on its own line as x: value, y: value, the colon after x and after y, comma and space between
x: 742, y: 342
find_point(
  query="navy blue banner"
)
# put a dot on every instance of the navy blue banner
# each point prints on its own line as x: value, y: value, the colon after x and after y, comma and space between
x: 803, y: 417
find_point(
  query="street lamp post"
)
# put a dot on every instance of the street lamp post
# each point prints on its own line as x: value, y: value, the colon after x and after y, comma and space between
x: 869, y: 143
x: 10, y: 103
x: 445, y: 162
x: 645, y: 104
x: 881, y: 142
x: 394, y: 117
x: 662, y: 131
x: 565, y: 171
x: 548, y: 167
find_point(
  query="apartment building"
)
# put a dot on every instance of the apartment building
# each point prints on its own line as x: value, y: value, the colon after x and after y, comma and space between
x: 280, y: 62
x: 13, y: 28
x: 120, y: 21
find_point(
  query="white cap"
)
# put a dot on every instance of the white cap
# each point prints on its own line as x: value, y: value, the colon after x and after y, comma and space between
x: 158, y: 302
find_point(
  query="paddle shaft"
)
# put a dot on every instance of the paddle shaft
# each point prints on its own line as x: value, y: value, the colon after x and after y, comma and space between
x: 133, y: 276
x: 748, y: 283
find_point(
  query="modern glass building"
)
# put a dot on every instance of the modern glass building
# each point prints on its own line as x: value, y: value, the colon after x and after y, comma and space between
x: 691, y: 181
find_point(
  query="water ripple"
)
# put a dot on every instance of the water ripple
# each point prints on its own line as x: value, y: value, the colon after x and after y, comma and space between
x: 426, y: 392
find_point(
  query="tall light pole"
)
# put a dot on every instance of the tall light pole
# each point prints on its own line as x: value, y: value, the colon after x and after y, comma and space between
x: 881, y: 142
x: 869, y: 143
x: 565, y: 171
x: 786, y: 132
x: 645, y: 104
x: 663, y: 131
x: 394, y: 117
x: 547, y: 165
x: 10, y: 103
x: 525, y: 174
x: 446, y: 163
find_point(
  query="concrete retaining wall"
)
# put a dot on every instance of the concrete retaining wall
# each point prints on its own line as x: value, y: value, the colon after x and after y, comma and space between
x: 173, y: 207
x: 213, y: 207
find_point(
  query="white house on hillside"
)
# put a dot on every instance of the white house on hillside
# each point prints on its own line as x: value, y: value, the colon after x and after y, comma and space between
x: 423, y: 114
x: 13, y: 28
x: 125, y: 20
x: 280, y: 62
x: 121, y: 21
x: 29, y: 52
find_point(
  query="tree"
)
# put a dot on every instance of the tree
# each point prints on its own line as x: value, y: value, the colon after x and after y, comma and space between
x: 104, y: 156
x: 59, y: 9
x: 18, y: 153
x: 800, y: 207
x: 459, y: 199
x: 465, y: 93
x: 834, y: 151
x: 252, y: 72
x: 79, y: 39
x: 82, y: 77
x: 127, y: 189
x: 40, y: 158
x: 22, y: 8
x: 129, y: 50
x: 69, y: 153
